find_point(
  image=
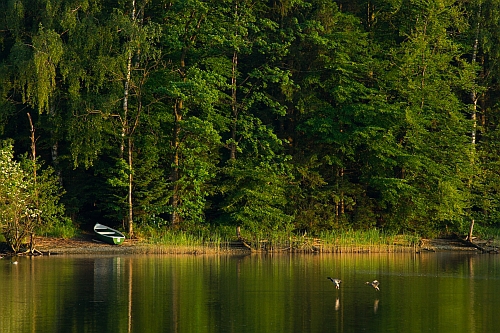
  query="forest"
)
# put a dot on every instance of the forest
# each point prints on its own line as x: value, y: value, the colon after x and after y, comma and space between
x: 273, y: 116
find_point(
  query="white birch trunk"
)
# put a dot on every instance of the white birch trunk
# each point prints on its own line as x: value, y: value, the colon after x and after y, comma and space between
x: 125, y: 132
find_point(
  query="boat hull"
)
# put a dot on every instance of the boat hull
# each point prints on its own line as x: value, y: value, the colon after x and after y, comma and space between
x: 108, y: 235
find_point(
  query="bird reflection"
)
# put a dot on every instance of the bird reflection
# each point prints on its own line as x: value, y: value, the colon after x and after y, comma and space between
x: 375, y: 306
x: 337, y: 304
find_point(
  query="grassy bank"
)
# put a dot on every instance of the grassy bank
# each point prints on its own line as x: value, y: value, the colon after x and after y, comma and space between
x: 335, y: 241
x: 367, y: 241
x: 224, y: 239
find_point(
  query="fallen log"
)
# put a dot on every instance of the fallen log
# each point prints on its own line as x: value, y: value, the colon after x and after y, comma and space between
x: 471, y: 244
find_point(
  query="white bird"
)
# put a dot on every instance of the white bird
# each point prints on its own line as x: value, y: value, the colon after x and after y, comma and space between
x: 374, y: 284
x: 335, y: 281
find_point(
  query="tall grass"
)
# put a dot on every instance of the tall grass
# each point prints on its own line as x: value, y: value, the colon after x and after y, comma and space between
x: 372, y: 240
x: 224, y: 238
x: 221, y: 238
x: 207, y: 239
x: 63, y: 229
x: 186, y: 241
x: 348, y: 240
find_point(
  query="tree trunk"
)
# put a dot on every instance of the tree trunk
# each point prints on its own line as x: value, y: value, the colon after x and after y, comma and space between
x: 127, y: 132
x: 474, y: 99
x: 474, y: 94
x: 174, y: 217
x: 234, y: 106
x: 471, y: 228
x: 54, y: 149
x: 130, y: 187
x: 35, y: 183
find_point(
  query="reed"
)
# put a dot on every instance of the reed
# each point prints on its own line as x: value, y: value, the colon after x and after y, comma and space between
x: 222, y: 239
x: 372, y: 240
x: 185, y: 241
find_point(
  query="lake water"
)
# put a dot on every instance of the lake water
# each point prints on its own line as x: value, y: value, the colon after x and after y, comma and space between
x: 428, y: 292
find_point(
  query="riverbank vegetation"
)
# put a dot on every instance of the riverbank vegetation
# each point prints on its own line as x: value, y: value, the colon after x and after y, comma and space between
x: 284, y: 119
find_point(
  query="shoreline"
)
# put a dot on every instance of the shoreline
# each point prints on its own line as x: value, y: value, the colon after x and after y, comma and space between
x: 89, y: 246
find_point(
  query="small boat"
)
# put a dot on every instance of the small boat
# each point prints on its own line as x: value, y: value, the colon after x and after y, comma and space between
x: 108, y: 235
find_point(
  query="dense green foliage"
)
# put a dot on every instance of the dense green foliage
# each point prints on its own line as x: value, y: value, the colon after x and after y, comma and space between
x: 29, y: 199
x: 269, y: 115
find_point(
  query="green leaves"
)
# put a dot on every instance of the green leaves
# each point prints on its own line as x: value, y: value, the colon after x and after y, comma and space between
x: 301, y: 114
x: 48, y: 53
x: 258, y: 195
x: 26, y: 202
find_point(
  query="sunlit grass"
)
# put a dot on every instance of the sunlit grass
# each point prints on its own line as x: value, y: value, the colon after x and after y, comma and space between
x: 64, y: 230
x: 224, y: 238
x: 220, y: 239
x: 371, y: 240
x: 181, y: 241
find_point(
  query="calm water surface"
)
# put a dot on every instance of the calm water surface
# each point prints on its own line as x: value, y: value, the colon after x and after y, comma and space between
x: 431, y: 292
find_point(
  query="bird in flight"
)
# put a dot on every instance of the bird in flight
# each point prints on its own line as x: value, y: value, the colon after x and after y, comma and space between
x: 374, y: 284
x: 336, y: 282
